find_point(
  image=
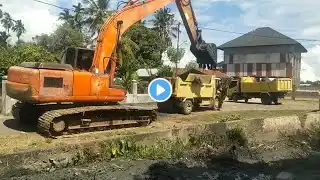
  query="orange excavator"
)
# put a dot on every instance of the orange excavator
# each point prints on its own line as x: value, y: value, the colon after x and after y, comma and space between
x: 78, y: 93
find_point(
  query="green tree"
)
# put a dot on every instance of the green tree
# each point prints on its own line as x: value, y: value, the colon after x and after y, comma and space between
x: 96, y: 12
x: 150, y: 45
x: 18, y: 28
x: 66, y: 17
x: 165, y: 71
x: 1, y: 12
x: 3, y: 38
x: 78, y: 16
x: 192, y: 65
x: 43, y: 40
x: 164, y: 23
x: 61, y: 38
x: 7, y: 22
x: 140, y: 48
x: 26, y: 52
x: 175, y: 55
x: 65, y: 36
x: 128, y: 64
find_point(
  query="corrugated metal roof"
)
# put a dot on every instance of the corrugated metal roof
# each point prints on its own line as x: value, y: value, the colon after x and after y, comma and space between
x: 264, y: 36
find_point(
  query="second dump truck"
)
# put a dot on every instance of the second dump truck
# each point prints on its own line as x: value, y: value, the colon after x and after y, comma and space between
x: 269, y: 91
x: 191, y: 90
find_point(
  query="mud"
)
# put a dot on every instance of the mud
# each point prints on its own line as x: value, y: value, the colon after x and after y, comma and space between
x: 262, y: 160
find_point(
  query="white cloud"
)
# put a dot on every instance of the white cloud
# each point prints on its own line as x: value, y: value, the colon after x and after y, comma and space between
x: 37, y: 18
x: 310, y: 64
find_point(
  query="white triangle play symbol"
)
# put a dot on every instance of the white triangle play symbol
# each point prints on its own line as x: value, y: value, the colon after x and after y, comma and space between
x: 160, y: 90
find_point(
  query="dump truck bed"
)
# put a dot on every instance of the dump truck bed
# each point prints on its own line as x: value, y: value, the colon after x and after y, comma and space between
x: 250, y: 85
x: 189, y: 88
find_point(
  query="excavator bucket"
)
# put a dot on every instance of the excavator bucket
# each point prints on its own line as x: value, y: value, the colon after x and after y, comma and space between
x: 206, y: 54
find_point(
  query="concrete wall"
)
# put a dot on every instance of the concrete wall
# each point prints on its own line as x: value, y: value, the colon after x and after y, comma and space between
x: 6, y: 101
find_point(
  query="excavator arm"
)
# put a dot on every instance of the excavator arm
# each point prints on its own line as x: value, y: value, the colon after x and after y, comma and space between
x: 206, y: 53
x: 112, y: 30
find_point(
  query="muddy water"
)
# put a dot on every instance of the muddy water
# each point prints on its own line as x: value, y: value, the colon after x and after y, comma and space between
x: 262, y: 160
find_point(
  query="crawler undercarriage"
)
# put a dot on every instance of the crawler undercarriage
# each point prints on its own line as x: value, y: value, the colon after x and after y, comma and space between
x: 54, y: 120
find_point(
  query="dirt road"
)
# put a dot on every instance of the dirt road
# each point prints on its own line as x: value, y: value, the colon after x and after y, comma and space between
x: 8, y: 126
x: 255, y: 104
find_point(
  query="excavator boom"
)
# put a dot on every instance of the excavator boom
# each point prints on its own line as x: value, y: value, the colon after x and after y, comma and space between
x: 206, y: 54
x: 134, y: 11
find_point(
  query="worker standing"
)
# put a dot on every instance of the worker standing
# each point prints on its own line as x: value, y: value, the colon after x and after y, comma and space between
x: 223, y: 87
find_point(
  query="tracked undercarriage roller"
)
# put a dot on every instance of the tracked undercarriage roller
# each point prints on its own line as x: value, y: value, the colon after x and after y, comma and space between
x: 55, y: 120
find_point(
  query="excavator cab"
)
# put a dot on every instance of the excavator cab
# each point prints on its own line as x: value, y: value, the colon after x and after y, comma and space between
x: 78, y: 58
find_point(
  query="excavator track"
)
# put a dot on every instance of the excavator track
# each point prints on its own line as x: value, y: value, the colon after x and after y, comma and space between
x: 59, y: 120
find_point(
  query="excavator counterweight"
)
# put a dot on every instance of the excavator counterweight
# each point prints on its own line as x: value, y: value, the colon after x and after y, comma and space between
x: 78, y: 93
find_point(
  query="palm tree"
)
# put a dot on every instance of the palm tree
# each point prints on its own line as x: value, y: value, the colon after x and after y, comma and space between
x: 164, y: 24
x: 3, y: 38
x: 1, y: 13
x: 7, y: 22
x: 96, y: 13
x: 67, y: 17
x: 78, y: 16
x: 19, y: 28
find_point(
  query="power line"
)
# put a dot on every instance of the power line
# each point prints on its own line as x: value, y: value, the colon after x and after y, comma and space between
x: 205, y: 28
x: 233, y: 32
x: 53, y: 5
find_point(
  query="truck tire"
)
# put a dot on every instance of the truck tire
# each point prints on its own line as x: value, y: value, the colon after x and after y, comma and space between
x: 265, y: 99
x: 234, y: 98
x: 277, y: 101
x: 186, y: 107
x: 168, y: 106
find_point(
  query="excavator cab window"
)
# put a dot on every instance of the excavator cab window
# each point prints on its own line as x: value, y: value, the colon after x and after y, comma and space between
x: 79, y: 58
x: 69, y: 56
x: 84, y: 59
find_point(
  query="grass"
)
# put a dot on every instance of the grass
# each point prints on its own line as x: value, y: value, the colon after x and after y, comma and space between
x: 307, y: 139
x: 192, y: 146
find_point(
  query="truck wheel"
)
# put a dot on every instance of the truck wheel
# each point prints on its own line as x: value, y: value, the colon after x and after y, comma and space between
x: 277, y: 101
x: 265, y: 99
x: 187, y: 107
x: 168, y: 106
x: 234, y: 98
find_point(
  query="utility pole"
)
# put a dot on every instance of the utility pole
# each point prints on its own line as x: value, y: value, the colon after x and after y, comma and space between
x: 178, y: 36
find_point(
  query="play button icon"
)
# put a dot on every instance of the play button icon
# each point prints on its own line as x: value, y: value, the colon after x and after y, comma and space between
x: 160, y: 90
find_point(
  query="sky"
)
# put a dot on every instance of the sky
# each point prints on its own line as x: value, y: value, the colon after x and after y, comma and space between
x: 294, y: 18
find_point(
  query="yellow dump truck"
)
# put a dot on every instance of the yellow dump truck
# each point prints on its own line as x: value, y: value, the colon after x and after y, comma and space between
x: 190, y: 90
x: 267, y: 90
